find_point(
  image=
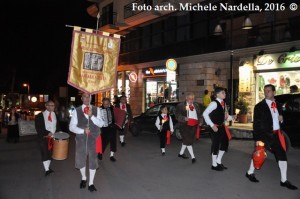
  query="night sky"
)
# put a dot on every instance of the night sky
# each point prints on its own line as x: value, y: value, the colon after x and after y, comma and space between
x: 35, y: 44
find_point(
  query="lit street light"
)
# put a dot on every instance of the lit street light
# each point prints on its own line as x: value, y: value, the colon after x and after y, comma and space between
x: 28, y: 89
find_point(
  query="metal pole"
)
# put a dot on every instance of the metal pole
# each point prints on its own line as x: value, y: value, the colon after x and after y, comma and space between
x: 231, y: 69
x: 231, y: 85
x: 28, y: 89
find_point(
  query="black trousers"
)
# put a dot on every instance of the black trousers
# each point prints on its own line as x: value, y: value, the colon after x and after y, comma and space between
x: 109, y: 136
x: 45, y: 153
x: 162, y: 138
x: 124, y: 130
x: 219, y: 140
x: 12, y: 133
x: 276, y: 149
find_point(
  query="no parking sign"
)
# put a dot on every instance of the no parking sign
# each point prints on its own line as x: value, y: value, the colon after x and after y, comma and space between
x: 133, y: 76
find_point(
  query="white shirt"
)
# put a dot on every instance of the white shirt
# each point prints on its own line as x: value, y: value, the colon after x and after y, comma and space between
x: 275, y: 115
x: 122, y: 108
x: 74, y: 121
x: 192, y: 114
x: 211, y: 107
x: 50, y: 126
x: 170, y: 122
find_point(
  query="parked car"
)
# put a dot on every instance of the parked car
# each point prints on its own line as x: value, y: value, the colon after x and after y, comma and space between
x: 146, y: 121
x: 291, y: 117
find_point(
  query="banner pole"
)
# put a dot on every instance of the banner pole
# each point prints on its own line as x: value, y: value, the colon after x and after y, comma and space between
x: 70, y: 26
x: 88, y: 125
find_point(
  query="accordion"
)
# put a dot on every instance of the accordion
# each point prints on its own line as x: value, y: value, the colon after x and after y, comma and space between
x: 120, y: 117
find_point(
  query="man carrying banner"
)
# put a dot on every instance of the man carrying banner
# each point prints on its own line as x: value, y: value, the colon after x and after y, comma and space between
x: 109, y: 133
x: 86, y: 123
x: 126, y: 107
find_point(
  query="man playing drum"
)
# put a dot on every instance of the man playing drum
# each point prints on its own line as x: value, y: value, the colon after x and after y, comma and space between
x: 85, y: 123
x: 46, y: 125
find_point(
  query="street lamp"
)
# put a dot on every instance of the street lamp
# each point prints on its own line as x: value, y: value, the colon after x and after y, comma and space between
x: 28, y: 89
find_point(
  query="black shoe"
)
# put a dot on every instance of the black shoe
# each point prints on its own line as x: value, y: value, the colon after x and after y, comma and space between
x: 252, y: 177
x: 112, y: 158
x: 163, y: 153
x: 288, y: 185
x: 183, y: 156
x: 123, y: 144
x: 82, y: 184
x: 217, y: 168
x: 92, y: 188
x: 193, y: 160
x: 47, y: 173
x: 222, y: 166
x: 99, y: 156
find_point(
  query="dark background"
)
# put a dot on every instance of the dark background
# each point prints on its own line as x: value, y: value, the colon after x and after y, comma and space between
x: 35, y: 43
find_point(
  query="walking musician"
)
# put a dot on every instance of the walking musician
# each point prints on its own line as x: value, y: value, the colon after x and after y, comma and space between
x: 46, y: 125
x: 188, y: 115
x: 215, y: 115
x: 108, y: 131
x: 86, y: 123
x: 266, y: 129
x: 164, y: 124
x: 126, y: 107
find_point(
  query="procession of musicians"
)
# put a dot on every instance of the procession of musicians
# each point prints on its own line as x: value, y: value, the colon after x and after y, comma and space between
x: 97, y: 127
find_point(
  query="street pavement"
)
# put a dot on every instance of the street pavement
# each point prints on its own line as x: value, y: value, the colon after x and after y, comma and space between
x: 141, y: 172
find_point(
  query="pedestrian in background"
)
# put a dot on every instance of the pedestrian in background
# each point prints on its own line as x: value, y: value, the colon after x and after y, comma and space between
x: 206, y: 99
x: 12, y: 126
x: 294, y: 89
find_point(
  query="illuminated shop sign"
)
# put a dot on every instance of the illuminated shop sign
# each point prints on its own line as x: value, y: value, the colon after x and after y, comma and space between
x: 155, y: 71
x: 280, y: 60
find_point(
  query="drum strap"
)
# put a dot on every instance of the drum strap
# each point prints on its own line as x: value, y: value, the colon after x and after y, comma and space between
x: 50, y: 143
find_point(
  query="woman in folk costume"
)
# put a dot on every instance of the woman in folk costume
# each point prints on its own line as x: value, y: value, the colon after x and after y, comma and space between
x: 126, y: 107
x: 266, y: 128
x: 215, y: 115
x: 85, y: 123
x: 164, y: 124
x: 188, y: 115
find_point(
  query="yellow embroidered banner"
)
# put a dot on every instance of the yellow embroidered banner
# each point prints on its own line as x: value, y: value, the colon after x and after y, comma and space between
x: 93, y: 62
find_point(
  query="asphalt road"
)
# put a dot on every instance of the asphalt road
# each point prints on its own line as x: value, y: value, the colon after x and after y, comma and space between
x: 141, y: 172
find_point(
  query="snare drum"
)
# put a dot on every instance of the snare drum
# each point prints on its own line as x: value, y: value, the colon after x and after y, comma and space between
x: 60, y: 146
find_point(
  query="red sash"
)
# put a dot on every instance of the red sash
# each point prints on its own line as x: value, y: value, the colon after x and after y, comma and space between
x: 168, y: 136
x: 198, y: 133
x: 192, y: 122
x: 281, y: 138
x: 50, y: 143
x: 226, y: 130
x: 99, y: 144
